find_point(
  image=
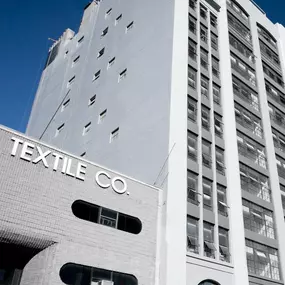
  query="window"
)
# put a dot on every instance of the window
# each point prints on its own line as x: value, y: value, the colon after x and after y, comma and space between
x: 203, y: 12
x: 92, y: 100
x: 192, y: 4
x: 218, y: 120
x: 251, y: 150
x: 224, y: 245
x: 104, y: 32
x: 123, y: 75
x: 111, y: 62
x: 204, y: 86
x: 118, y: 19
x: 108, y: 13
x: 205, y: 117
x: 75, y: 61
x: 101, y: 52
x: 279, y: 140
x: 267, y: 36
x: 114, y: 135
x: 204, y: 58
x: 248, y: 120
x: 222, y: 200
x: 215, y: 67
x: 192, y: 49
x: 65, y: 104
x: 238, y: 9
x: 241, y: 29
x: 280, y: 166
x: 209, y: 247
x: 276, y: 115
x: 192, y: 146
x: 192, y: 235
x: 192, y: 75
x: 206, y: 154
x: 275, y: 94
x: 207, y: 194
x: 80, y: 40
x: 220, y: 161
x: 273, y: 74
x: 86, y: 129
x: 66, y: 53
x: 59, y: 130
x: 129, y: 26
x: 255, y: 183
x: 213, y: 20
x: 192, y: 24
x: 192, y: 188
x: 258, y: 219
x: 214, y: 41
x: 71, y: 81
x: 269, y: 54
x: 216, y: 94
x: 209, y: 282
x: 102, y: 116
x: 107, y: 217
x: 192, y: 109
x: 204, y: 33
x: 262, y: 260
x: 83, y: 154
x: 96, y: 75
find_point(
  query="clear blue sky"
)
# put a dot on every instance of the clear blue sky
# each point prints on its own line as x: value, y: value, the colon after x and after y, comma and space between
x: 25, y: 27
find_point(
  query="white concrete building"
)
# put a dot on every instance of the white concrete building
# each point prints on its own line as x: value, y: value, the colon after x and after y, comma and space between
x: 117, y: 93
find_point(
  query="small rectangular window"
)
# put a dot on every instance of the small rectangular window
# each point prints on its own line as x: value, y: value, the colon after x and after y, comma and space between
x: 108, y: 13
x: 80, y: 40
x: 123, y: 74
x: 224, y: 245
x: 192, y: 146
x: 65, y: 104
x: 86, y: 129
x: 114, y: 135
x: 213, y: 20
x: 118, y: 19
x: 101, y: 52
x: 192, y: 188
x: 111, y: 62
x: 192, y: 76
x: 104, y: 32
x: 83, y: 154
x: 92, y: 100
x: 222, y: 200
x: 192, y: 235
x: 71, y: 81
x: 207, y: 194
x: 130, y: 26
x: 204, y: 86
x: 59, y: 129
x: 209, y: 247
x: 203, y: 12
x: 96, y: 75
x: 102, y: 116
x: 75, y: 61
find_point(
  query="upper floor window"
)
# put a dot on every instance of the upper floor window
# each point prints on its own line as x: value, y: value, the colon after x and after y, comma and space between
x: 114, y: 135
x: 273, y: 74
x: 258, y: 219
x: 96, y: 75
x: 118, y: 19
x: 101, y: 52
x: 215, y: 67
x: 204, y: 33
x: 192, y: 4
x: 192, y: 146
x: 238, y: 9
x: 65, y: 104
x: 59, y: 130
x: 266, y: 35
x: 104, y: 32
x: 220, y: 161
x: 71, y: 81
x: 192, y: 188
x: 192, y: 235
x: 205, y: 117
x: 192, y: 75
x: 216, y: 94
x: 262, y: 260
x: 209, y: 247
x: 192, y: 49
x: 86, y: 129
x: 123, y: 75
x: 204, y: 58
x: 108, y: 13
x: 80, y: 41
x: 107, y: 217
x: 192, y: 109
x: 204, y: 86
x: 222, y: 200
x: 207, y: 194
x: 214, y: 41
x: 255, y: 183
x: 276, y: 115
x: 275, y: 94
x: 239, y: 27
x: 213, y: 20
x: 129, y: 26
x: 280, y: 166
x: 92, y: 100
x: 278, y: 140
x: 206, y: 153
x: 224, y: 245
x: 192, y: 22
x: 203, y: 12
x: 218, y: 120
x: 269, y: 54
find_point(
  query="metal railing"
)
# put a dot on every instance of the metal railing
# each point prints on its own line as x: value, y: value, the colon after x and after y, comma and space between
x: 253, y: 155
x: 250, y: 125
x: 256, y: 188
x: 244, y: 74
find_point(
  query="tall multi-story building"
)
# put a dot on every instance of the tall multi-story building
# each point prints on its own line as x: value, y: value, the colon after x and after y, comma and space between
x: 188, y: 96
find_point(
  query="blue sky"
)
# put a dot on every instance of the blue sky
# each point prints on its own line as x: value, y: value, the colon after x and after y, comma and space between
x: 25, y: 27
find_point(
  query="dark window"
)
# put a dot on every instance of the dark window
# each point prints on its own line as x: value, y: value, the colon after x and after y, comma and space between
x: 209, y: 282
x: 76, y: 274
x: 97, y: 214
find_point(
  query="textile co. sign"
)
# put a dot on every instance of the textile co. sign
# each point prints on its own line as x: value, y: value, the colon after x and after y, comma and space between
x: 32, y: 153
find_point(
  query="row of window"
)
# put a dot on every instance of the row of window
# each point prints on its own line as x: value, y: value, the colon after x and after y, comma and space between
x: 276, y: 115
x: 207, y: 193
x: 251, y: 150
x: 280, y: 166
x: 239, y: 27
x: 278, y: 140
x: 273, y: 74
x: 255, y: 183
x: 274, y: 93
x: 267, y: 36
x: 258, y: 219
x: 238, y: 9
x: 208, y: 240
x: 248, y: 120
x: 205, y: 117
x: 269, y: 53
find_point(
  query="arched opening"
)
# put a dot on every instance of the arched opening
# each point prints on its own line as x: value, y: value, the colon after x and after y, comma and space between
x: 209, y: 282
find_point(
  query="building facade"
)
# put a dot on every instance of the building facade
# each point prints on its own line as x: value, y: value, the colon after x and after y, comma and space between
x: 115, y: 93
x: 65, y: 220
